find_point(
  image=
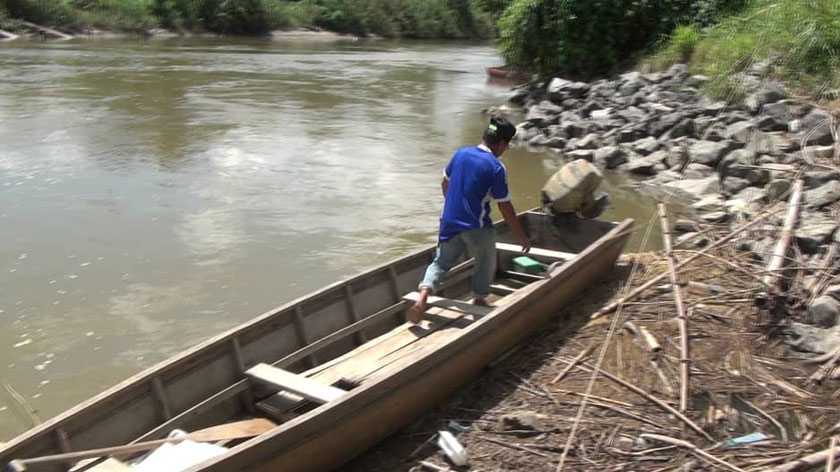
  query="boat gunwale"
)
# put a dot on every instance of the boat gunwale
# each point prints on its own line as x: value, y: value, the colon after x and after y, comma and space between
x: 338, y: 410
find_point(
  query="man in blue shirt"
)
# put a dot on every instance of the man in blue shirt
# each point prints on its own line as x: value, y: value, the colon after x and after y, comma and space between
x: 472, y: 179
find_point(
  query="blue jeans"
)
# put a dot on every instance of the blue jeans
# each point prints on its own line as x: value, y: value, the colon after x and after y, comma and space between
x: 481, y: 244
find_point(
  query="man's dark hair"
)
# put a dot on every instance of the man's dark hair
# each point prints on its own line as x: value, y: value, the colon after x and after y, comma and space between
x: 499, y: 129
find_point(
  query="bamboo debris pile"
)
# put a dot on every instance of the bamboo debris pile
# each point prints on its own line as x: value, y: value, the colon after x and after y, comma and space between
x: 706, y: 381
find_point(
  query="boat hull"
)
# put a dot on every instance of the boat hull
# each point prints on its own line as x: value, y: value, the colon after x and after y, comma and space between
x: 333, y: 434
x: 207, y: 384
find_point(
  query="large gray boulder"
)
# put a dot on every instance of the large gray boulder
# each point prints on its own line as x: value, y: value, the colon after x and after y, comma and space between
x: 646, y: 165
x: 818, y: 178
x: 541, y: 116
x: 644, y: 146
x: 783, y: 110
x: 814, y: 128
x: 709, y: 203
x: 609, y: 157
x: 824, y: 311
x: 743, y: 163
x: 768, y: 93
x: 632, y: 82
x: 733, y: 185
x: 776, y: 189
x: 812, y: 338
x: 740, y: 131
x: 686, y: 127
x: 709, y: 152
x: 561, y: 89
x: 814, y: 230
x: 694, y: 189
x: 823, y: 196
x: 696, y: 170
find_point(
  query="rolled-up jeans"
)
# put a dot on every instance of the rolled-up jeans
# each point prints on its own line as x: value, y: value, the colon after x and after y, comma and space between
x: 481, y: 244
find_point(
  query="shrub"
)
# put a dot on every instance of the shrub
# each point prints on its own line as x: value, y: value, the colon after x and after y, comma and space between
x: 801, y: 36
x: 596, y: 36
x: 406, y: 18
x: 219, y: 16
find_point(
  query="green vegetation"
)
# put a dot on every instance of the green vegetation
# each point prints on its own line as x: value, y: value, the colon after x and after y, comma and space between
x: 587, y: 38
x: 392, y: 18
x: 800, y: 38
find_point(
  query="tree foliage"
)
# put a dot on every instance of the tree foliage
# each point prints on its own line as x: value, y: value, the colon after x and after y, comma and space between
x: 595, y: 36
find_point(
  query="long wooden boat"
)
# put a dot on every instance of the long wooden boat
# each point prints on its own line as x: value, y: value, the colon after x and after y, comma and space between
x: 338, y: 370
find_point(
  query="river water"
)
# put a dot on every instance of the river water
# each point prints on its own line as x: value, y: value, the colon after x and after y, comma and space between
x: 153, y: 194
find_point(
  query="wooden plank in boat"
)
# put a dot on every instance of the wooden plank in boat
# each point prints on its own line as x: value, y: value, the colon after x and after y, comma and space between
x: 342, y: 333
x: 357, y: 364
x: 449, y: 304
x: 522, y: 276
x: 537, y: 252
x: 502, y: 289
x: 294, y: 383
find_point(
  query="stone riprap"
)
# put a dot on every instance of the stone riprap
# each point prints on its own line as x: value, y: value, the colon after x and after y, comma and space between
x: 728, y: 160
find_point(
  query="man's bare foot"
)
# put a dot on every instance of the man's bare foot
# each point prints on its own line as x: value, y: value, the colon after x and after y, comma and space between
x: 415, y: 313
x: 480, y: 302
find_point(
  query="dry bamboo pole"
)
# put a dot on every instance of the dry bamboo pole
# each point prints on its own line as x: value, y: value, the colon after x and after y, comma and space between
x: 684, y: 352
x: 649, y: 344
x: 780, y: 251
x: 650, y: 283
x: 782, y: 432
x: 651, y: 398
x: 583, y: 354
x: 434, y: 467
x: 807, y: 462
x: 694, y: 450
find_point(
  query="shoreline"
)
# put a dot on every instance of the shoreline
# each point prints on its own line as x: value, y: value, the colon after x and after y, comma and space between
x: 757, y: 324
x: 41, y: 33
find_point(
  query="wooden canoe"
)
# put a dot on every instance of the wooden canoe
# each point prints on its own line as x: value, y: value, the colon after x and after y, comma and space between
x: 339, y: 369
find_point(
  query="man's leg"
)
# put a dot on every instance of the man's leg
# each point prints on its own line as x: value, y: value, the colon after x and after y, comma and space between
x: 447, y: 255
x: 482, y: 246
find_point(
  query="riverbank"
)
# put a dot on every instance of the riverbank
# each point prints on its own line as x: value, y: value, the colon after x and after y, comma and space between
x: 753, y: 402
x: 437, y: 19
x: 739, y: 368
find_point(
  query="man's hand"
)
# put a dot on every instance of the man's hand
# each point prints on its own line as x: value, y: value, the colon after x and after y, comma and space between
x: 525, y: 243
x: 506, y: 208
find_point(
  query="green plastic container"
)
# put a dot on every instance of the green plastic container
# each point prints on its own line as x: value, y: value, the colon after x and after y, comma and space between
x: 527, y: 265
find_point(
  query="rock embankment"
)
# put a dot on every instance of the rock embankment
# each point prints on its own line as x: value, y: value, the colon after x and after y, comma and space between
x: 728, y: 161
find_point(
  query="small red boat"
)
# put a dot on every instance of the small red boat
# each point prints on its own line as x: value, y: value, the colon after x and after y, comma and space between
x: 506, y: 73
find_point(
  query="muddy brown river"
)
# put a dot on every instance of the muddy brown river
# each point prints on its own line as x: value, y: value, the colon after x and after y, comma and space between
x: 155, y: 193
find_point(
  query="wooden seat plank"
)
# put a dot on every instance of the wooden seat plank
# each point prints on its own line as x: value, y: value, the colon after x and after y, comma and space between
x: 450, y: 304
x: 294, y: 383
x: 537, y: 252
x: 502, y: 289
x: 357, y: 364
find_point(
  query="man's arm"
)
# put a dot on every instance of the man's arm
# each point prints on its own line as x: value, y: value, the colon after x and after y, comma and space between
x: 513, y: 223
x: 444, y: 186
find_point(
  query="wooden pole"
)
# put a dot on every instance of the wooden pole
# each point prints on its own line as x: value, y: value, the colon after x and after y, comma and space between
x: 694, y: 449
x: 652, y: 399
x: 574, y: 362
x: 777, y: 261
x: 803, y: 463
x: 684, y: 352
x: 650, y: 283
